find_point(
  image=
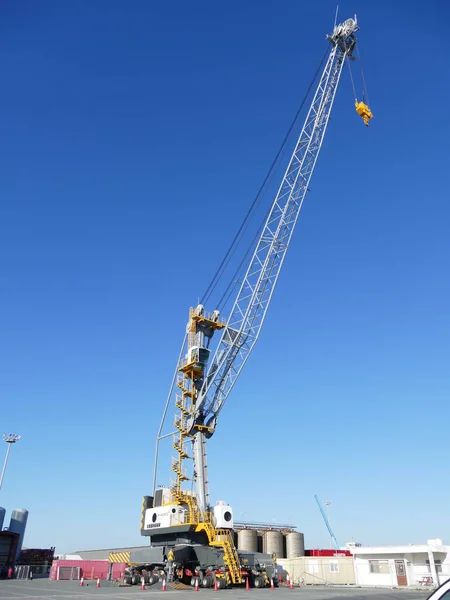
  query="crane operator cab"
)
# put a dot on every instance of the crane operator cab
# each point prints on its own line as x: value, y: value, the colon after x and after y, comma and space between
x: 198, y: 355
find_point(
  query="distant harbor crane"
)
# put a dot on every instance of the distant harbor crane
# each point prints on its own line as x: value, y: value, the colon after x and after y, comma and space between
x: 327, y: 523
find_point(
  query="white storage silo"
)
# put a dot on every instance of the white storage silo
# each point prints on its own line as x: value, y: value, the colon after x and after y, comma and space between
x: 248, y: 540
x: 273, y: 543
x: 295, y: 544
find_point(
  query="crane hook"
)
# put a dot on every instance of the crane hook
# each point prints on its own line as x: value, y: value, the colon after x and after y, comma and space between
x: 364, y: 112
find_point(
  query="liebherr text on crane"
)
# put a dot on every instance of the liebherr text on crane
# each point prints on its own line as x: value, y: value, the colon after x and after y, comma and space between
x: 190, y: 539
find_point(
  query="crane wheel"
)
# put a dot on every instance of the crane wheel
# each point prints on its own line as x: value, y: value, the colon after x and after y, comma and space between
x: 259, y: 582
x: 221, y: 583
x: 135, y: 579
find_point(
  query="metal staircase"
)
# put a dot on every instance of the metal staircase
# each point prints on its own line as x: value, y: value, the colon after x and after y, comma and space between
x: 222, y: 538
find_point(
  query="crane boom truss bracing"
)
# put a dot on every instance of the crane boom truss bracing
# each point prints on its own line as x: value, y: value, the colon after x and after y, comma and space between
x: 209, y: 391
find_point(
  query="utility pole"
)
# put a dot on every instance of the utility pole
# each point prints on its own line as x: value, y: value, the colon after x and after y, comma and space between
x: 10, y: 439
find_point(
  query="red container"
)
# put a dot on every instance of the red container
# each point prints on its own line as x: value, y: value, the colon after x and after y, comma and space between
x: 89, y: 569
x: 327, y: 552
x: 118, y: 570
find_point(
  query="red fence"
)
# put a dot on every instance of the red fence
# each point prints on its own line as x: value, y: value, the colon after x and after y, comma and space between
x: 90, y: 569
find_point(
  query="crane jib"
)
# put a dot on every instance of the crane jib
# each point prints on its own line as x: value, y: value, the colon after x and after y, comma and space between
x: 249, y: 310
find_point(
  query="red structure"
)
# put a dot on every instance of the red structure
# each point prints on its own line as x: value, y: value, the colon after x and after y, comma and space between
x: 327, y: 552
x: 90, y: 569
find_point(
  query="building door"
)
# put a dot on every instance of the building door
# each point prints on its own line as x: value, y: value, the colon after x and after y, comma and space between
x: 401, y: 572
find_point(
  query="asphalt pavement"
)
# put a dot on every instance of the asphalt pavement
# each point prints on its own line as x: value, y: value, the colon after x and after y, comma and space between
x: 43, y: 589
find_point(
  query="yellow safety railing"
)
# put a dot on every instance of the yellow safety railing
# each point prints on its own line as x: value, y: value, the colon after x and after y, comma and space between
x: 222, y: 538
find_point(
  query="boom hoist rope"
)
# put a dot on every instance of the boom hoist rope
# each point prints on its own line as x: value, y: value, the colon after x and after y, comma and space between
x: 254, y: 205
x: 363, y: 110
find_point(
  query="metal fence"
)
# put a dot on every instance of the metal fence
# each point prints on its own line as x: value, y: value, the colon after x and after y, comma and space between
x: 22, y: 572
x: 68, y: 573
x: 31, y: 571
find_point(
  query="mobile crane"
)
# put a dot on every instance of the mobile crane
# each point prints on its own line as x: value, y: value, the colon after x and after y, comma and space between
x: 188, y: 537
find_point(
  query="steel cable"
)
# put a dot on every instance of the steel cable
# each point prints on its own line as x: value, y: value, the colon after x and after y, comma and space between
x: 254, y: 205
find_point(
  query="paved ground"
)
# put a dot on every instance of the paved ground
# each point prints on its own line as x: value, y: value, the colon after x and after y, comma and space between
x: 43, y: 589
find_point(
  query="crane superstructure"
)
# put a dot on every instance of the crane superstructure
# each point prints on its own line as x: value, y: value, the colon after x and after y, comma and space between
x: 203, y: 383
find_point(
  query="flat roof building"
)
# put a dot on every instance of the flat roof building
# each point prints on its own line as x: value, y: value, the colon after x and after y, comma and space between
x: 407, y: 565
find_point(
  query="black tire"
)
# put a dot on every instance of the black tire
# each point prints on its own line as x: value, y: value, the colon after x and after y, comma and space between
x: 259, y: 582
x: 135, y: 579
x: 127, y: 579
x: 205, y: 582
x: 221, y: 583
x: 193, y: 581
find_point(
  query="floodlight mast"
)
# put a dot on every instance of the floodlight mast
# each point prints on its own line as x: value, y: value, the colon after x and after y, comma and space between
x: 10, y: 439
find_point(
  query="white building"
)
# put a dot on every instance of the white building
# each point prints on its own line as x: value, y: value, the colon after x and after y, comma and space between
x: 422, y: 564
x: 319, y: 570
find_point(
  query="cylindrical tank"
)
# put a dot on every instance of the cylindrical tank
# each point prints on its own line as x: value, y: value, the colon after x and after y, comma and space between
x: 273, y: 543
x: 2, y: 517
x: 248, y: 540
x: 295, y: 544
x: 18, y: 524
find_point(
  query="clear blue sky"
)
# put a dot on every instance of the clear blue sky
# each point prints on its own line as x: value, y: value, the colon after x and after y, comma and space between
x: 134, y: 136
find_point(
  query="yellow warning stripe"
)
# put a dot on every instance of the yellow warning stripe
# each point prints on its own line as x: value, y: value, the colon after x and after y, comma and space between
x: 119, y: 557
x: 178, y: 585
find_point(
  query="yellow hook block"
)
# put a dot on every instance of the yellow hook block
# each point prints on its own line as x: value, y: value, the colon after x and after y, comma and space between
x: 364, y: 112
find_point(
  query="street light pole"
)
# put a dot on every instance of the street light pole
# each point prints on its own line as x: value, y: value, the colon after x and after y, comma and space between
x: 10, y: 439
